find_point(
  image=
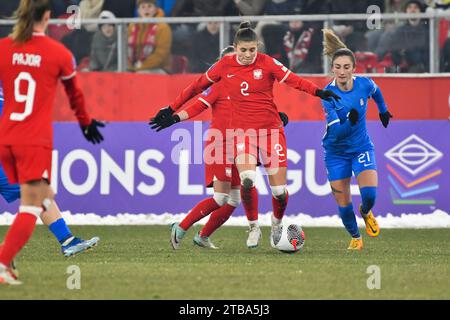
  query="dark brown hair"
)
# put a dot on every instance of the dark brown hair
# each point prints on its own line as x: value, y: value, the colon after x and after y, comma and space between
x: 29, y: 12
x: 245, y: 33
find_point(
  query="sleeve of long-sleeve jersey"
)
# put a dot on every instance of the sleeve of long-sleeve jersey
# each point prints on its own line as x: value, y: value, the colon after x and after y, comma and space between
x: 203, y: 82
x: 205, y: 100
x: 284, y: 75
x: 76, y: 100
x: 375, y: 93
x: 334, y: 126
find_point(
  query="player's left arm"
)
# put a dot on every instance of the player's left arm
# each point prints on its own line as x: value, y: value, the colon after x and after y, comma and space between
x: 76, y: 99
x: 284, y: 75
x: 375, y: 93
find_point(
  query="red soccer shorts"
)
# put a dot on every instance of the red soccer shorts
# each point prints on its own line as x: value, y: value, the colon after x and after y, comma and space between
x: 23, y: 164
x: 270, y: 144
x: 219, y: 163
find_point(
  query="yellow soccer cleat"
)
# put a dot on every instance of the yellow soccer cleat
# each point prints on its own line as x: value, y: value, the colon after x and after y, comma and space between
x: 355, y: 244
x: 372, y: 227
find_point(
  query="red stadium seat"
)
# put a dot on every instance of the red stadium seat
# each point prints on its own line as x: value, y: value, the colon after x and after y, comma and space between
x: 58, y: 31
x: 179, y: 64
x: 366, y: 62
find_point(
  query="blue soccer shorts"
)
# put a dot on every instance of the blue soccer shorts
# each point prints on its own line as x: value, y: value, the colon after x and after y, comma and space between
x: 341, y: 166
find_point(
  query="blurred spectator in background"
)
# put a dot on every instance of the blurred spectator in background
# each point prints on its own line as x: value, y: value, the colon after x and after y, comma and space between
x: 149, y: 44
x: 59, y: 7
x: 7, y: 9
x: 79, y: 40
x: 205, y: 48
x: 298, y: 45
x: 120, y: 8
x: 352, y: 32
x: 166, y: 5
x: 90, y: 9
x: 388, y: 26
x: 104, y: 46
x: 409, y: 43
x: 250, y: 7
x: 182, y: 33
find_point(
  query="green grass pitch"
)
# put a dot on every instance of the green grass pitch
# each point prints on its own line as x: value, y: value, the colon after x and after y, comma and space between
x: 137, y: 262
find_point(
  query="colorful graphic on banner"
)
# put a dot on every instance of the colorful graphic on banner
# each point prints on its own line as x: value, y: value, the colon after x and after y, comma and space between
x: 414, y: 156
x: 137, y: 170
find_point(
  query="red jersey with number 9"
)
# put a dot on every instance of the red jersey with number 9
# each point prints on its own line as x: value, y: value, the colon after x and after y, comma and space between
x: 29, y: 74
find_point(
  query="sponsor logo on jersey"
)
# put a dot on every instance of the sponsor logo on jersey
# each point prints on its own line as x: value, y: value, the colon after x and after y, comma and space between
x: 257, y: 74
x: 361, y: 102
x: 207, y: 91
x: 228, y: 172
x: 278, y: 63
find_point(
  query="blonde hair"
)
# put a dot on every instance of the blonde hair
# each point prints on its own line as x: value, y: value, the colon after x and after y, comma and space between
x: 28, y: 12
x: 333, y: 47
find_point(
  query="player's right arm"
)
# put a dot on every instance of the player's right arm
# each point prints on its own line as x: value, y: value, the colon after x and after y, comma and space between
x: 76, y: 98
x: 203, y: 82
x: 205, y: 100
x: 334, y: 126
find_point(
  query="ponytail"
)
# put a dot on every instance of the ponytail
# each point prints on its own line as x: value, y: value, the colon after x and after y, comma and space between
x: 333, y: 47
x: 29, y: 12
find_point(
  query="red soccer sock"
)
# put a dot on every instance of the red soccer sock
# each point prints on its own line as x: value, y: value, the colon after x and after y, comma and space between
x: 250, y: 203
x: 279, y: 206
x: 18, y: 235
x: 218, y: 218
x: 202, y: 209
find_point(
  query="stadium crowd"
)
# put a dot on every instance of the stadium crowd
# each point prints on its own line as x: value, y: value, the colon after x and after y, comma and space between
x: 399, y: 46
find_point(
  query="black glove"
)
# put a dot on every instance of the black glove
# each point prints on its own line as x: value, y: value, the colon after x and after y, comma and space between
x: 164, y: 122
x: 353, y: 116
x: 327, y: 95
x: 284, y: 117
x: 91, y: 132
x: 163, y: 113
x: 384, y: 117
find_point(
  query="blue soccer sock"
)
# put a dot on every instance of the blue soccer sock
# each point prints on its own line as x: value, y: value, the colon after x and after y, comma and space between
x: 368, y: 196
x: 349, y: 220
x: 60, y: 230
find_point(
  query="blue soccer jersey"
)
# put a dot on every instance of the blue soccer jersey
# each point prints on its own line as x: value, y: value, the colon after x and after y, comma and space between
x: 357, y: 139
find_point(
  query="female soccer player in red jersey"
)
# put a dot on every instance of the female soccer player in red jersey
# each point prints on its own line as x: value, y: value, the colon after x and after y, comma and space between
x: 220, y: 171
x: 248, y: 78
x: 30, y: 66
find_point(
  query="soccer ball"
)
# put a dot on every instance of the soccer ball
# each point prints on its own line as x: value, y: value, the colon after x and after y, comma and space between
x: 289, y: 239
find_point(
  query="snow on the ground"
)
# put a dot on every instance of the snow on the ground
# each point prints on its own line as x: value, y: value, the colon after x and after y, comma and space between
x: 436, y: 219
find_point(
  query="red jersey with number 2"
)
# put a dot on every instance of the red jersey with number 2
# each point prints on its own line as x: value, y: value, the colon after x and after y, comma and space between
x: 250, y: 88
x: 29, y: 74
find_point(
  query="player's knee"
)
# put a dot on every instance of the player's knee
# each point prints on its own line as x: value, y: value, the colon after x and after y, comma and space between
x: 235, y: 198
x: 248, y: 178
x: 368, y: 196
x: 46, y: 204
x: 220, y: 198
x: 33, y: 210
x: 279, y: 192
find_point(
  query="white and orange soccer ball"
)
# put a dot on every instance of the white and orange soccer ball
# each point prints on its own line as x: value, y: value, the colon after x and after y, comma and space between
x: 289, y: 239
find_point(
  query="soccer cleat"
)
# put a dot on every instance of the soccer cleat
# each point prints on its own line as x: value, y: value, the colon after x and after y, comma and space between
x: 275, y: 231
x: 7, y: 276
x: 372, y: 227
x: 78, y: 245
x: 355, y: 244
x: 204, y: 242
x: 254, y: 236
x: 176, y: 235
x: 14, y: 270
